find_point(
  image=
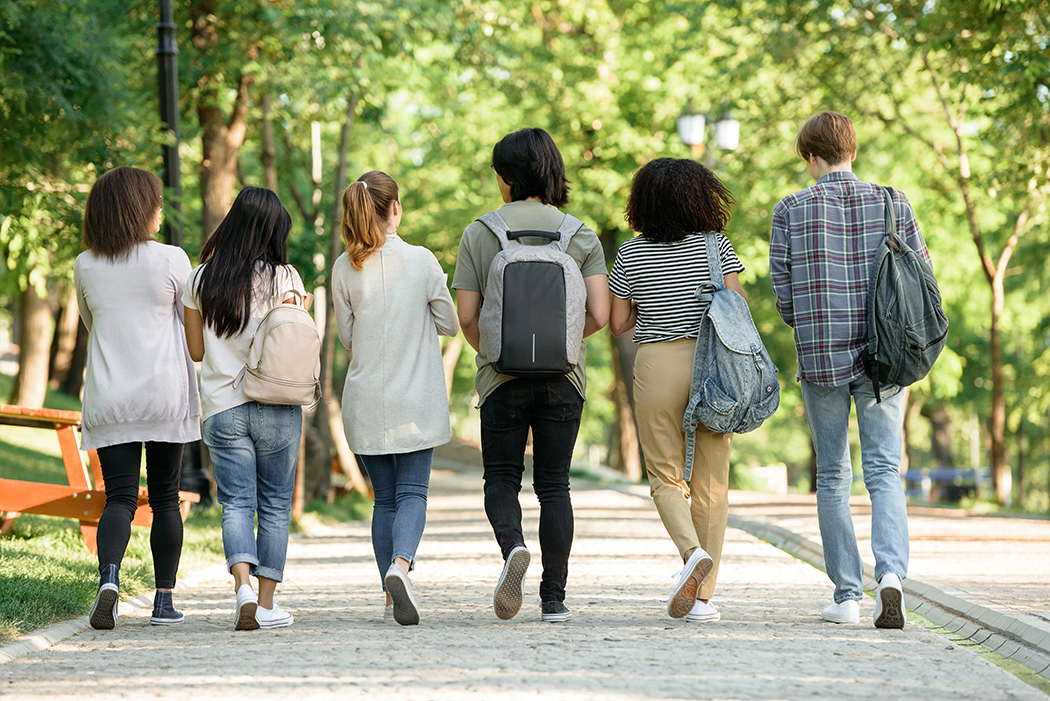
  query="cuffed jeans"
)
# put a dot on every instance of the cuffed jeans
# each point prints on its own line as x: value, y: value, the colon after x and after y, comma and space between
x: 121, y: 465
x: 552, y: 409
x: 881, y: 442
x: 254, y: 448
x: 400, y: 483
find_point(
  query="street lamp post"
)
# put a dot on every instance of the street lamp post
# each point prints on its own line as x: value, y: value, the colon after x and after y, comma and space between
x: 692, y: 127
x: 168, y: 82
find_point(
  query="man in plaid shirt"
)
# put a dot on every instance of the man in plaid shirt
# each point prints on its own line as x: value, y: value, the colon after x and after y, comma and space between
x: 821, y: 248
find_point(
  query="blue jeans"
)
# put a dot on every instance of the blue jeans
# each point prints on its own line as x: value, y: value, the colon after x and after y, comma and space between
x: 254, y: 448
x: 881, y: 441
x: 400, y: 483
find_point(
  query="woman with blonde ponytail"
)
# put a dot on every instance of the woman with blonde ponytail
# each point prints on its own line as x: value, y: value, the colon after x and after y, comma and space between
x: 391, y: 303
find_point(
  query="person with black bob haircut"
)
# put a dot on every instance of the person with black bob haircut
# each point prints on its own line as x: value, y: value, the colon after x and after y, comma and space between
x: 530, y: 175
x: 244, y: 273
x: 673, y: 204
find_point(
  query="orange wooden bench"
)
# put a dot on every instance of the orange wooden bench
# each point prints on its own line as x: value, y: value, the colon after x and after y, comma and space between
x: 78, y: 500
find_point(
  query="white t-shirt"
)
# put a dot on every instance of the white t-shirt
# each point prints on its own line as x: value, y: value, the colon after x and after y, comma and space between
x: 224, y: 358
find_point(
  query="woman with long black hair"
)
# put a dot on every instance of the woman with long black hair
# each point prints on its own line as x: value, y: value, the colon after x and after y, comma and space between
x: 140, y: 387
x: 244, y: 273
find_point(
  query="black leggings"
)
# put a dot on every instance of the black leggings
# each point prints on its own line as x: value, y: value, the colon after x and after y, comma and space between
x: 120, y: 471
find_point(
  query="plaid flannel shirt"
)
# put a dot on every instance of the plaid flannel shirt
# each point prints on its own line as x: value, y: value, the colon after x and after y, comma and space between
x: 821, y: 248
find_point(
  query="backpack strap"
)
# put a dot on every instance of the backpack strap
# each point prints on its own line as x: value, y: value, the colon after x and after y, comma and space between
x: 891, y: 219
x: 706, y: 291
x: 566, y: 230
x: 894, y: 243
x: 494, y: 222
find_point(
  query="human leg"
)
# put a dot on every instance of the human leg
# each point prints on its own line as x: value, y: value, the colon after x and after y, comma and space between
x: 709, y: 505
x: 120, y: 471
x: 661, y: 377
x: 827, y: 413
x: 556, y: 410
x: 413, y: 481
x: 163, y: 467
x: 382, y: 474
x: 505, y: 420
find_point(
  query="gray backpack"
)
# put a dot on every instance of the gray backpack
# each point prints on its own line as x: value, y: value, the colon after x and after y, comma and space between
x: 907, y: 327
x: 533, y: 312
x: 734, y: 385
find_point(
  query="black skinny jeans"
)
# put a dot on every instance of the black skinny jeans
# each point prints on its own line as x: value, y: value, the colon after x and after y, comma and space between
x: 120, y: 471
x: 552, y: 409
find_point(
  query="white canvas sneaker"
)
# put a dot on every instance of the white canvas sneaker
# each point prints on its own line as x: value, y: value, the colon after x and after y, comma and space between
x: 889, y: 602
x: 703, y: 613
x: 845, y: 612
x: 244, y: 614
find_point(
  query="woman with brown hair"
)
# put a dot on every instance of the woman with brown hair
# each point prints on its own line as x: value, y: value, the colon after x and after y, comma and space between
x: 673, y: 203
x: 141, y: 386
x: 391, y: 304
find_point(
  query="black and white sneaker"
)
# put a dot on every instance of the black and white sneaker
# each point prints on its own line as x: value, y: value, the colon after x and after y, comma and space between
x: 103, y: 614
x: 164, y: 611
x: 406, y: 610
x: 556, y: 612
x: 506, y: 600
x: 889, y: 602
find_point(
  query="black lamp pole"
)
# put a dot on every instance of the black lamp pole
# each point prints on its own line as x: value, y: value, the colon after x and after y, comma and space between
x: 168, y: 80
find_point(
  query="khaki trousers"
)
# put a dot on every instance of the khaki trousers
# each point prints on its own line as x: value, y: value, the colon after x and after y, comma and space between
x: 694, y: 514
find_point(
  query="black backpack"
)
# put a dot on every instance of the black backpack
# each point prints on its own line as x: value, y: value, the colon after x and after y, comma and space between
x: 907, y: 327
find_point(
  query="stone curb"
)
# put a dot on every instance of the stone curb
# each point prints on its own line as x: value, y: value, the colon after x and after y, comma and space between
x: 1003, y: 634
x: 46, y: 637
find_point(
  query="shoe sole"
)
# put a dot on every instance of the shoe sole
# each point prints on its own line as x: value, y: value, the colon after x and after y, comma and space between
x: 103, y: 614
x: 506, y: 600
x: 244, y: 616
x: 684, y: 595
x: 283, y: 623
x: 166, y: 621
x: 557, y: 617
x: 708, y: 618
x: 892, y: 615
x: 840, y: 619
x: 406, y: 612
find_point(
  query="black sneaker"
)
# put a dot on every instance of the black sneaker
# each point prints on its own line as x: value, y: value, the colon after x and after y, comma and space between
x: 164, y: 611
x: 103, y: 614
x: 506, y: 600
x: 556, y: 612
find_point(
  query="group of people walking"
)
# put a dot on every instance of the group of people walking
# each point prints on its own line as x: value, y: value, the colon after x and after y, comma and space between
x: 151, y: 318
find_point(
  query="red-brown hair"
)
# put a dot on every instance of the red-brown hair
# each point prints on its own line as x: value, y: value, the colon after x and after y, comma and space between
x: 368, y: 203
x: 829, y: 135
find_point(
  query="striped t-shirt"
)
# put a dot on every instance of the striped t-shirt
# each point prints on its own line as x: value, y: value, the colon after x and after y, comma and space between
x: 662, y: 279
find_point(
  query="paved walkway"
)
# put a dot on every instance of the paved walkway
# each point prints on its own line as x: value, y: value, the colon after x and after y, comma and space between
x: 620, y: 644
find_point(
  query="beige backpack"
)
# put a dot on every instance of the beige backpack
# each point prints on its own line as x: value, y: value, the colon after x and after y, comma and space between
x: 284, y: 358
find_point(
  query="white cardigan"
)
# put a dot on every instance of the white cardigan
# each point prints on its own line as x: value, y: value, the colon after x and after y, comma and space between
x: 389, y: 315
x: 140, y: 384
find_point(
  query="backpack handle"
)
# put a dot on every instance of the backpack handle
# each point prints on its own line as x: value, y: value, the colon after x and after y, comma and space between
x: 559, y: 239
x: 891, y: 219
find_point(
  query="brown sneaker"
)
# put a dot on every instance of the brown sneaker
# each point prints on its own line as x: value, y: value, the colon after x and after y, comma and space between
x: 696, y: 569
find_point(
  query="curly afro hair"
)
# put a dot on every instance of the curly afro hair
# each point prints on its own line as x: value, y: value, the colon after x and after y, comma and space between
x: 673, y: 197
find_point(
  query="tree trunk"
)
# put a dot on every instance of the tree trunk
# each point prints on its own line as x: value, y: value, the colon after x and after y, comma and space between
x: 943, y: 434
x: 911, y: 408
x: 449, y: 359
x: 269, y: 149
x: 628, y: 458
x: 74, y: 384
x: 65, y: 339
x: 997, y: 420
x: 812, y: 466
x: 1020, y: 463
x: 30, y: 385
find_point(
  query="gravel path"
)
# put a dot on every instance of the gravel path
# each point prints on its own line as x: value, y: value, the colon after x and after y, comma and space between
x: 770, y: 644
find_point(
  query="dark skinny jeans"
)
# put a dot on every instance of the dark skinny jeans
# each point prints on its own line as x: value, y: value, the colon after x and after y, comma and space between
x: 120, y: 471
x: 552, y: 409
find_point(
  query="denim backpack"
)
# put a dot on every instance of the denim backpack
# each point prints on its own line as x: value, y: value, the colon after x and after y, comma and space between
x: 907, y: 327
x: 734, y: 386
x: 532, y: 318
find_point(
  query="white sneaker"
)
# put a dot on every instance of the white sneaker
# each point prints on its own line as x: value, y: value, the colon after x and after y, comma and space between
x: 273, y: 618
x: 244, y: 614
x: 703, y: 613
x: 406, y: 610
x: 690, y: 577
x: 889, y: 602
x: 845, y: 612
x: 506, y: 600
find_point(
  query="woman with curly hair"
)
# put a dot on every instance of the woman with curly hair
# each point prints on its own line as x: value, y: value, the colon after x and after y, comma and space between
x: 673, y: 203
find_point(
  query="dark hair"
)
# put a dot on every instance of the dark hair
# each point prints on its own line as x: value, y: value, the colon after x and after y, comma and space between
x: 531, y: 164
x: 252, y: 240
x: 673, y: 197
x: 829, y: 135
x: 120, y: 209
x: 367, y: 203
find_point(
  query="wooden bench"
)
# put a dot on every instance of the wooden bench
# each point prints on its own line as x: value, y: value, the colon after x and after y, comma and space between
x: 78, y: 500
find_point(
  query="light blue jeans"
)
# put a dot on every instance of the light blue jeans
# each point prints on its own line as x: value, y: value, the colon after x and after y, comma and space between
x: 881, y: 442
x: 400, y: 482
x: 254, y: 448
